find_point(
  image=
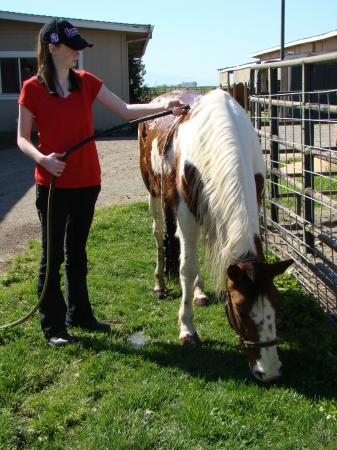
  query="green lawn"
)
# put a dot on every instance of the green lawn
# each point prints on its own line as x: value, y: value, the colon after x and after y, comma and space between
x: 103, y: 393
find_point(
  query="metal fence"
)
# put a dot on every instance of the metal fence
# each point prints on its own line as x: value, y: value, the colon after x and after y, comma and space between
x: 298, y: 132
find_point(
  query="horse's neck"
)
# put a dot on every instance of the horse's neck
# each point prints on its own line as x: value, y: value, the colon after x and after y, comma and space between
x: 259, y: 248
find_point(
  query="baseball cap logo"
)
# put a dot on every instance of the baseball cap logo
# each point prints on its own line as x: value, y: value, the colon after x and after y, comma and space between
x: 71, y: 32
x: 54, y: 37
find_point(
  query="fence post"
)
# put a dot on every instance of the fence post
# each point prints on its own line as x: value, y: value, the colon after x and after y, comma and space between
x: 274, y: 146
x: 245, y: 96
x: 308, y: 159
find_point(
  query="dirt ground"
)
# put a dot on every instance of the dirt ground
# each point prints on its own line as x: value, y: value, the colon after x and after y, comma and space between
x: 121, y: 184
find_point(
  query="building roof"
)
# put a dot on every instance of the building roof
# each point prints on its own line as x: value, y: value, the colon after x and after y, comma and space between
x: 233, y: 68
x: 137, y: 36
x: 319, y: 37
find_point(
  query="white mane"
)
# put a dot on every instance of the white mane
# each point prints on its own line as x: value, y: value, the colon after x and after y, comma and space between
x: 221, y: 143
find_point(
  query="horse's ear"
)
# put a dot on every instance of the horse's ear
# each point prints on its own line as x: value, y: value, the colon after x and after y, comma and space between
x: 279, y: 267
x: 234, y: 273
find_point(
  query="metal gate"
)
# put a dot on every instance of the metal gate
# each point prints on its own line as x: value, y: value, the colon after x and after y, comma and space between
x: 298, y: 132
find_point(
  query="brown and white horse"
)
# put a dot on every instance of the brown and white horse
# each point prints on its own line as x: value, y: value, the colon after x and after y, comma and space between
x: 206, y: 169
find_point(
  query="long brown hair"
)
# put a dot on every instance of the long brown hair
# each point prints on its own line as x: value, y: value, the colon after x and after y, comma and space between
x: 46, y: 72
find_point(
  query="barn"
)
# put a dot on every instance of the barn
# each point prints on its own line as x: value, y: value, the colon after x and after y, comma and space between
x: 237, y: 79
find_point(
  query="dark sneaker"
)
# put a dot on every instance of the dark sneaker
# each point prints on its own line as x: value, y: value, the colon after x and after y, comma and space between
x: 92, y: 326
x: 98, y: 326
x: 60, y: 339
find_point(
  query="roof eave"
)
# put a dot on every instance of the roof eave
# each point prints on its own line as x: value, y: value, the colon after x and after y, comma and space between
x: 319, y: 37
x: 234, y: 68
x: 112, y: 26
x: 137, y: 46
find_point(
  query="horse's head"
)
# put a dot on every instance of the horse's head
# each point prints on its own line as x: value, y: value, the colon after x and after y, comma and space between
x: 252, y: 303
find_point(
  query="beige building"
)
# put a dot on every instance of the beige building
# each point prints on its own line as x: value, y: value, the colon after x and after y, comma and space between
x: 302, y: 48
x: 237, y: 79
x: 113, y: 43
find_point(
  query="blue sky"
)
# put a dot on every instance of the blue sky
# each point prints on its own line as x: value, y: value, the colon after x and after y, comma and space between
x: 192, y: 39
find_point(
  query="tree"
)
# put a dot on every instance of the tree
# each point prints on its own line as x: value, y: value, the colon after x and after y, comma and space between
x: 139, y: 92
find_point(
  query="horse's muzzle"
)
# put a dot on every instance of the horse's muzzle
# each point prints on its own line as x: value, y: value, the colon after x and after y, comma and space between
x: 262, y: 376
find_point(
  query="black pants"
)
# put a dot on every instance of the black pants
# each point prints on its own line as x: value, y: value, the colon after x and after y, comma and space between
x: 72, y: 215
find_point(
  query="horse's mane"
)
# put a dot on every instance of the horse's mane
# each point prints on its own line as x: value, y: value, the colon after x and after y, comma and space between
x: 226, y: 191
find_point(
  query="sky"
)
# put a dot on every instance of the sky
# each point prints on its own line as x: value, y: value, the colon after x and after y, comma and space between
x: 193, y: 39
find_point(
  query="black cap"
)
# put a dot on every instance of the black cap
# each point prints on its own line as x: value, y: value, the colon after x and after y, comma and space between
x: 60, y: 31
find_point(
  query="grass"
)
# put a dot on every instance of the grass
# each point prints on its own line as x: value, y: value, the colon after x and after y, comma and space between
x: 322, y: 183
x: 103, y: 393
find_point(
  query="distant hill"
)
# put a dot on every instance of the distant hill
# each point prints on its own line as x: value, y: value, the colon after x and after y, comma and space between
x: 155, y: 79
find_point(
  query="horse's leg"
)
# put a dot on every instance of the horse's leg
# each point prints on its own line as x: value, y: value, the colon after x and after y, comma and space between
x: 188, y: 232
x: 158, y: 230
x: 200, y: 297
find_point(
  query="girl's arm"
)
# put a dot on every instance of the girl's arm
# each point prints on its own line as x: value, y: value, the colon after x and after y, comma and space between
x: 135, y: 111
x: 50, y: 162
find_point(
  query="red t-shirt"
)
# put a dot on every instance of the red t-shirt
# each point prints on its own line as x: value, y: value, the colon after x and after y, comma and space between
x: 62, y: 123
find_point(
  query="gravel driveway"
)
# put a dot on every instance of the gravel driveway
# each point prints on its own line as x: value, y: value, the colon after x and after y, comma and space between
x: 121, y: 184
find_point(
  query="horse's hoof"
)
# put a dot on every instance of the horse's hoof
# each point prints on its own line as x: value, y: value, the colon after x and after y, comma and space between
x: 190, y: 339
x: 201, y: 301
x: 159, y: 293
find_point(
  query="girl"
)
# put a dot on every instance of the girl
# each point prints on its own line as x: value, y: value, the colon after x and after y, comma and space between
x: 59, y: 99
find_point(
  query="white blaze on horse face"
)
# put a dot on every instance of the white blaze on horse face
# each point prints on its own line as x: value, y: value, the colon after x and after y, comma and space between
x: 263, y: 315
x: 158, y: 164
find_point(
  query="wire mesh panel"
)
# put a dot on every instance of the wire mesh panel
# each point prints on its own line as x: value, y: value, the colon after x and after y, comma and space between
x: 298, y: 133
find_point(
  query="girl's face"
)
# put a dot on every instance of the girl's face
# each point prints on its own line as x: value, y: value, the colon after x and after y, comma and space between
x: 63, y: 56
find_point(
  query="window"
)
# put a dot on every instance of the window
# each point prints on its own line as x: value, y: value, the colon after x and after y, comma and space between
x: 14, y: 71
x: 15, y: 68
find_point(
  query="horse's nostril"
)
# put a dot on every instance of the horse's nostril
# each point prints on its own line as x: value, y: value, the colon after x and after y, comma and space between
x: 259, y: 374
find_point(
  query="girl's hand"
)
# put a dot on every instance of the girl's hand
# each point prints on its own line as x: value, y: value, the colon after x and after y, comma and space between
x: 175, y: 105
x: 53, y: 164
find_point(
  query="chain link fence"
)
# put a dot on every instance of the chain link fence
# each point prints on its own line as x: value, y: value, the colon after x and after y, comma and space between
x: 298, y: 133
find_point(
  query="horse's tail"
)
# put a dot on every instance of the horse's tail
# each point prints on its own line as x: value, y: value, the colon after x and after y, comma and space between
x: 171, y: 246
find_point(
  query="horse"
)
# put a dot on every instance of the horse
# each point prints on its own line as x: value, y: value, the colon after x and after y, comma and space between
x: 206, y: 169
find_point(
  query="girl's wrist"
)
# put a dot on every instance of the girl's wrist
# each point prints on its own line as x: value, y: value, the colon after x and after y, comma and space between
x: 41, y: 159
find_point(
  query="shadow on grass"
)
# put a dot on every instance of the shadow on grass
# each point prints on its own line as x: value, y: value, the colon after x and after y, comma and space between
x: 217, y: 360
x: 309, y: 356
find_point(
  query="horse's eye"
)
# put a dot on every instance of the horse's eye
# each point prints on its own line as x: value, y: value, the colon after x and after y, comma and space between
x: 243, y: 314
